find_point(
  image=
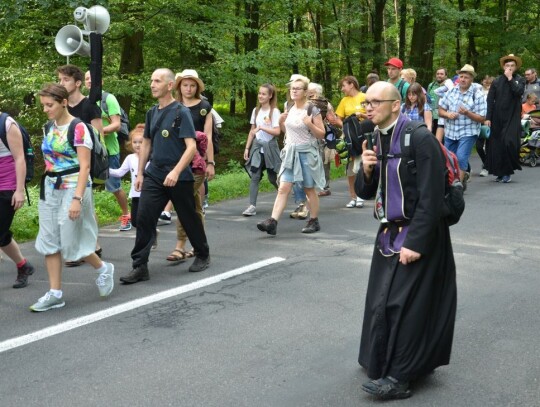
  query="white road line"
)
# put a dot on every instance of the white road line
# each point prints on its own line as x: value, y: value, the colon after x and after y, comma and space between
x: 131, y: 305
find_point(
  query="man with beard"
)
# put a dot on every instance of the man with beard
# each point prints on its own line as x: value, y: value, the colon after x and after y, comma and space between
x: 411, y: 297
x: 504, y: 119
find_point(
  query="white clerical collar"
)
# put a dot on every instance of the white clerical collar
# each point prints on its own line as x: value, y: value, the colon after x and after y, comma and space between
x: 385, y: 130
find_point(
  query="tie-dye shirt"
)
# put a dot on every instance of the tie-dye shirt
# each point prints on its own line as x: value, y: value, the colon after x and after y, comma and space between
x: 60, y: 156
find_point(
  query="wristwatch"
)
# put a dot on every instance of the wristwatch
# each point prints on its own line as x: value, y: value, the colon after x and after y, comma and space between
x: 211, y: 162
x: 78, y: 198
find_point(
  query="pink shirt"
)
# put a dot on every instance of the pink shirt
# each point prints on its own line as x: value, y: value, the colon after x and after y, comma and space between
x: 8, y: 176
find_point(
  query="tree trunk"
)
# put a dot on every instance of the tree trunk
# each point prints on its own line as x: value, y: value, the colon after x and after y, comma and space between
x: 251, y: 45
x: 402, y: 29
x: 377, y: 21
x: 423, y: 41
x: 131, y: 63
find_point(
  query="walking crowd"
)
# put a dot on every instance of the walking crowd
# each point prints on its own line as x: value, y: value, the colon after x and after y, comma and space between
x: 411, y: 295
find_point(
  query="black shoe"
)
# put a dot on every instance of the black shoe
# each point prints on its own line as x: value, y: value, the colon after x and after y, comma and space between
x: 199, y: 264
x: 22, y: 275
x: 312, y: 226
x: 137, y: 274
x: 269, y: 226
x: 388, y: 388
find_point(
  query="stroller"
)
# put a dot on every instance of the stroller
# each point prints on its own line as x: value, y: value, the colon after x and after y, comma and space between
x: 529, y: 151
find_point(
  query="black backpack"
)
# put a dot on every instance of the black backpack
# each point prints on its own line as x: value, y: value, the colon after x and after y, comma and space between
x: 123, y: 133
x: 99, y: 162
x: 353, y: 135
x: 27, y: 146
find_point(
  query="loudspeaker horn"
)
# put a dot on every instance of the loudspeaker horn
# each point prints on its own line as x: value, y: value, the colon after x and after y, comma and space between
x: 69, y: 41
x: 95, y: 19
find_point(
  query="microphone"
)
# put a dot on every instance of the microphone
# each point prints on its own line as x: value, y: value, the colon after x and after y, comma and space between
x: 366, y: 129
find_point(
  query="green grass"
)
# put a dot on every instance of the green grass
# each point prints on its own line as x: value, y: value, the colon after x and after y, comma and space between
x: 232, y: 183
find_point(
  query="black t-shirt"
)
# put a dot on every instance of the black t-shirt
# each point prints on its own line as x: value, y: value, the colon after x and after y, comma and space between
x: 85, y: 111
x: 199, y: 113
x: 167, y: 128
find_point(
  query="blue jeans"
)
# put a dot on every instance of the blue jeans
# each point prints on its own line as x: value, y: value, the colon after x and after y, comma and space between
x: 299, y: 193
x: 113, y: 184
x: 462, y: 149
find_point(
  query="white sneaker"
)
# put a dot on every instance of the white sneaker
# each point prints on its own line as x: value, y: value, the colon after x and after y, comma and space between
x: 351, y: 204
x: 359, y: 203
x: 105, y: 280
x: 484, y: 173
x: 250, y: 211
x: 47, y: 302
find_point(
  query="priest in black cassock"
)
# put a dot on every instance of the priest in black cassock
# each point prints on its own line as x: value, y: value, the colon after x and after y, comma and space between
x: 411, y: 297
x: 504, y: 118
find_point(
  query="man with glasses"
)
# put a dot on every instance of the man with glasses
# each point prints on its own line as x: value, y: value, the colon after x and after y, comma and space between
x: 411, y: 296
x: 532, y: 85
x: 463, y: 109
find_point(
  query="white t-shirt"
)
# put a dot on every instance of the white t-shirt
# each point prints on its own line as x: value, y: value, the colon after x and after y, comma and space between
x: 131, y: 164
x: 297, y: 131
x: 263, y: 120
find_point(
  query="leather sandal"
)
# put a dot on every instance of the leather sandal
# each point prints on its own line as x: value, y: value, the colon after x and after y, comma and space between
x: 177, y: 255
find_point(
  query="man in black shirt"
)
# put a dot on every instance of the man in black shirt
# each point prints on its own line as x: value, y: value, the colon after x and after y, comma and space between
x: 170, y: 136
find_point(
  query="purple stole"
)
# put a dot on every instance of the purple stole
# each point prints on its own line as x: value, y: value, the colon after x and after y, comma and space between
x: 390, y: 206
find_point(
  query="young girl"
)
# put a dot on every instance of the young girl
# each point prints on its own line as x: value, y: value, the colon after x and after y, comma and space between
x: 262, y: 149
x: 131, y: 164
x: 415, y: 106
x: 67, y: 226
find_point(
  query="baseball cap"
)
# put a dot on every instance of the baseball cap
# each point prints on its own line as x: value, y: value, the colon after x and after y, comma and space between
x: 398, y: 63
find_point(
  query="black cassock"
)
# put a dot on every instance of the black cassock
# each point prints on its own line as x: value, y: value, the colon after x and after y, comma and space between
x: 504, y: 112
x: 410, y: 309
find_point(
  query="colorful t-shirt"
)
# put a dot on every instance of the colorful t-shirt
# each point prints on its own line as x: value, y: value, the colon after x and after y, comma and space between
x: 351, y: 105
x: 60, y: 156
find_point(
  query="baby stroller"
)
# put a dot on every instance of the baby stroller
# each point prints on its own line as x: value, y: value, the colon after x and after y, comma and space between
x: 530, y: 148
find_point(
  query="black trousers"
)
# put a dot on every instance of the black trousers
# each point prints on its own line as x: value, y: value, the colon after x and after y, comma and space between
x: 154, y: 197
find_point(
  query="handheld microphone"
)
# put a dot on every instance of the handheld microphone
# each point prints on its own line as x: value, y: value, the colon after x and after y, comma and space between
x: 368, y: 128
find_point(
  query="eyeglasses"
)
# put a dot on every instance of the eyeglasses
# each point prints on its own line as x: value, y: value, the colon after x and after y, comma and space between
x: 375, y: 103
x: 297, y: 89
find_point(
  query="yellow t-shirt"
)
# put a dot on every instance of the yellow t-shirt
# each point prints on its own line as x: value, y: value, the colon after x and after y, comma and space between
x: 350, y: 105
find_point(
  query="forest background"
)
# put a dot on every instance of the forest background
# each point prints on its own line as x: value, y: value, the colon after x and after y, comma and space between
x: 237, y: 45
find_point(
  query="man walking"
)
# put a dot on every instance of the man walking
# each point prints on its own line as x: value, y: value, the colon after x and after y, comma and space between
x: 441, y: 75
x: 411, y: 297
x: 111, y: 124
x: 532, y: 85
x: 463, y: 109
x: 504, y: 119
x: 170, y: 136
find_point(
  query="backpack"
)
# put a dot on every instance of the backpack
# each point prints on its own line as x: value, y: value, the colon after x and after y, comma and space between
x: 123, y: 133
x: 454, y: 202
x: 27, y: 146
x: 99, y: 158
x: 353, y: 135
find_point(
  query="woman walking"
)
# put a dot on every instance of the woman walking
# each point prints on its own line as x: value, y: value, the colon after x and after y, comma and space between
x: 301, y: 161
x: 262, y: 149
x: 67, y: 226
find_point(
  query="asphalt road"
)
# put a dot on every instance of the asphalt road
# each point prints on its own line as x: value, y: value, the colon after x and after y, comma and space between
x: 282, y: 335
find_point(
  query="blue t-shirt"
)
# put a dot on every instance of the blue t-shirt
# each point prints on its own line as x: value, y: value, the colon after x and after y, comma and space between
x: 167, y: 128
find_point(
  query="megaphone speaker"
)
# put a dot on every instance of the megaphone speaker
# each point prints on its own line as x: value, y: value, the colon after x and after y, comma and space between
x: 69, y: 41
x: 95, y: 19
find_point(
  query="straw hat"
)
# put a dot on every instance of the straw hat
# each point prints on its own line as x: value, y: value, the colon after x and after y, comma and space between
x: 510, y: 57
x: 189, y: 74
x: 467, y: 69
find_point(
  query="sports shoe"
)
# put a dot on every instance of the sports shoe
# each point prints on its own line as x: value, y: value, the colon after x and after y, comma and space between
x: 22, y: 275
x: 250, y: 211
x: 137, y: 274
x: 269, y: 226
x: 312, y: 226
x: 351, y: 204
x: 164, y: 218
x: 303, y: 212
x: 498, y: 179
x: 105, y: 280
x: 506, y: 179
x: 387, y: 388
x: 47, y: 302
x: 299, y: 208
x: 199, y: 264
x: 359, y: 203
x: 484, y: 173
x: 125, y: 223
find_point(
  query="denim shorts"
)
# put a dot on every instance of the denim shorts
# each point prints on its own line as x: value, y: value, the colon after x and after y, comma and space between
x: 113, y: 184
x: 305, y: 158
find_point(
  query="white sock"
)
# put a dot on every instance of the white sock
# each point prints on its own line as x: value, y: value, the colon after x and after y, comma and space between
x: 56, y: 293
x: 102, y: 269
x: 166, y: 213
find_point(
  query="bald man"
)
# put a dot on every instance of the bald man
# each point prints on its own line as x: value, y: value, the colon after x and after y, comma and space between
x: 170, y: 136
x: 411, y: 296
